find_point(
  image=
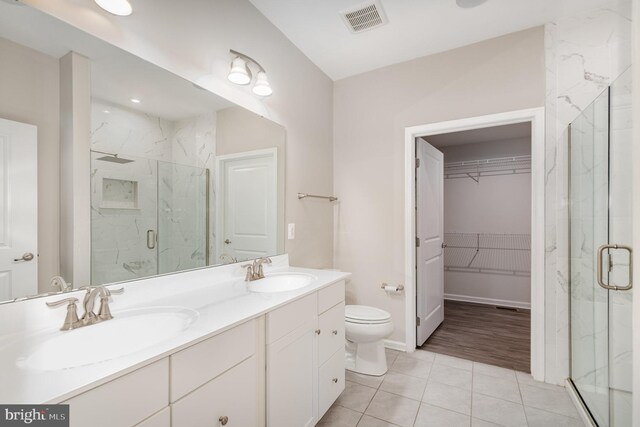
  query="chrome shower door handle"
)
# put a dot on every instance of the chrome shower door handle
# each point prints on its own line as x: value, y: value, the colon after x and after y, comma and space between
x: 600, y: 273
x: 151, y: 239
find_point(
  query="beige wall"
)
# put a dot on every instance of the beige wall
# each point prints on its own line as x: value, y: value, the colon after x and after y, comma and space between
x: 29, y: 82
x: 192, y: 38
x: 371, y: 111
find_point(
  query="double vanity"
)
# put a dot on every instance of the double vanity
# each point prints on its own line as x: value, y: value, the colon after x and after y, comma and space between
x: 202, y: 347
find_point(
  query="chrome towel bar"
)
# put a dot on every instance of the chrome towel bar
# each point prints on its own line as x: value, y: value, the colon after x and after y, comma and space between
x: 305, y: 195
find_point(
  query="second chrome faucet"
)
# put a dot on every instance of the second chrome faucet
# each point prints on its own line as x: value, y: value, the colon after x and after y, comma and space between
x: 89, y: 317
x: 254, y: 270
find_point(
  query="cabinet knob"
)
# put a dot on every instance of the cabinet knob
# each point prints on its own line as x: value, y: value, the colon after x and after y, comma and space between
x: 223, y: 420
x: 335, y: 380
x: 318, y: 331
x: 334, y: 332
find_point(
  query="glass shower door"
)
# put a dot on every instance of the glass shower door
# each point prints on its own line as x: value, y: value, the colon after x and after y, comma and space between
x: 600, y: 215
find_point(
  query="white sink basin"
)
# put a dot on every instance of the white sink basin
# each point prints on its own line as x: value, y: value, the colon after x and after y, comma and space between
x: 281, y: 282
x: 128, y: 332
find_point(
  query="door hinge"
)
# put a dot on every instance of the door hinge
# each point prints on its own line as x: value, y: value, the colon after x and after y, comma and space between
x: 417, y: 163
x: 417, y: 242
x: 417, y: 321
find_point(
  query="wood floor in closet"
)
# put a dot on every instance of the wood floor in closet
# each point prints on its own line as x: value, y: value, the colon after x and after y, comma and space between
x: 485, y: 334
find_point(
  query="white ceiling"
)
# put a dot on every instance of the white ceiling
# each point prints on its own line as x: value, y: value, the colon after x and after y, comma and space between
x: 416, y: 28
x: 490, y: 134
x: 116, y: 76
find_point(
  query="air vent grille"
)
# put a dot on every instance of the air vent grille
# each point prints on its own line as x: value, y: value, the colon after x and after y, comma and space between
x: 364, y: 17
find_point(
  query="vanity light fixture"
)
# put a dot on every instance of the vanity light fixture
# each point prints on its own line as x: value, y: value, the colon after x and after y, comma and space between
x: 116, y: 7
x: 240, y: 74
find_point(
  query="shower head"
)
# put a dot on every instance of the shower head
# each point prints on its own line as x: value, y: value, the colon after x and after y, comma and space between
x: 114, y: 159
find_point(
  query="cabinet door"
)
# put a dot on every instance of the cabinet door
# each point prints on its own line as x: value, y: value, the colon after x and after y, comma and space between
x: 230, y: 400
x: 292, y: 378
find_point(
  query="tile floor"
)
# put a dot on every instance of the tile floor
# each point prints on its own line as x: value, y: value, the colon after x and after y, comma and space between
x: 429, y: 389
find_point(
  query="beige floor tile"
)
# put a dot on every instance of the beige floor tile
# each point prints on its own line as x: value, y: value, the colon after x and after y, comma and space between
x: 448, y: 397
x: 493, y: 371
x: 356, y: 397
x: 539, y: 418
x: 498, y: 411
x: 394, y: 409
x: 368, y: 380
x: 527, y: 379
x: 556, y: 401
x: 411, y: 366
x: 339, y: 416
x: 477, y: 422
x: 422, y: 355
x: 454, y: 362
x: 501, y: 387
x: 404, y: 385
x: 451, y: 376
x: 391, y: 355
x: 367, y: 421
x: 431, y: 416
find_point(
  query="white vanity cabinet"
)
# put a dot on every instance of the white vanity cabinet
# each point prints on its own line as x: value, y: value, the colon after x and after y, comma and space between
x: 305, y: 358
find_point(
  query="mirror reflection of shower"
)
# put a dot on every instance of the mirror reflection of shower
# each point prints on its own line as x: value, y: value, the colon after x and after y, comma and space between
x: 148, y: 217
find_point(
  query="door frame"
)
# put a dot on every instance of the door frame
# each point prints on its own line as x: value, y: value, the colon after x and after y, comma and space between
x: 536, y: 117
x: 220, y: 161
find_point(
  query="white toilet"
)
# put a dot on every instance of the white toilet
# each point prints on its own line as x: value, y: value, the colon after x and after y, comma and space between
x: 365, y: 329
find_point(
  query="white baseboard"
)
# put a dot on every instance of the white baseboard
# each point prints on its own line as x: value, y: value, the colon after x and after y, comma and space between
x: 488, y: 301
x: 395, y: 345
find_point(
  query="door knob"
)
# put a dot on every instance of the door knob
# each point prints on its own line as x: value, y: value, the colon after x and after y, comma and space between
x: 223, y: 420
x: 25, y: 257
x: 227, y: 241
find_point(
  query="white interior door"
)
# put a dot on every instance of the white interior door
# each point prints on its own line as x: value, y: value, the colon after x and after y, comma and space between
x: 429, y: 238
x: 18, y: 210
x: 249, y: 204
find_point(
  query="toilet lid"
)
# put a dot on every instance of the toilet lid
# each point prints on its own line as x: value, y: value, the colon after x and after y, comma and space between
x: 363, y: 313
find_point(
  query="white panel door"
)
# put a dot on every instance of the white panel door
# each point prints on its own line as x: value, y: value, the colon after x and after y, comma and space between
x: 18, y: 210
x: 249, y: 196
x: 430, y: 233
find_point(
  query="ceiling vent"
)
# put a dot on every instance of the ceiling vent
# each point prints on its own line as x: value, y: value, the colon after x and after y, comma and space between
x: 364, y: 17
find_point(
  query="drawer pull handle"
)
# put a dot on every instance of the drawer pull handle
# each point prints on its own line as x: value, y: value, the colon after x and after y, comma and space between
x: 318, y: 331
x: 223, y: 420
x: 335, y: 380
x: 334, y: 332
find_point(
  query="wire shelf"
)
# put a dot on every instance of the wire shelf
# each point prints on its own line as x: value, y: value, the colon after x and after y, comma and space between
x: 488, y: 253
x: 475, y: 169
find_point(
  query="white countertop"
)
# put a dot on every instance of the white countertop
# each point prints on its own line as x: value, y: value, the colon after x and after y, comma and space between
x: 218, y: 294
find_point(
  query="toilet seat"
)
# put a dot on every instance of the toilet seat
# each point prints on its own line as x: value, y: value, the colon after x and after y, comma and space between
x: 363, y: 314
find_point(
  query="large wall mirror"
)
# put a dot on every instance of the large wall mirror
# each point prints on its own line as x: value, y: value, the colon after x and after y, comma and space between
x: 113, y: 169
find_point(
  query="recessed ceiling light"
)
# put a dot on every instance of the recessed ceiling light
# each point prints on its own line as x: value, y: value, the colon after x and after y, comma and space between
x: 116, y: 7
x: 135, y: 100
x: 106, y: 111
x: 468, y: 4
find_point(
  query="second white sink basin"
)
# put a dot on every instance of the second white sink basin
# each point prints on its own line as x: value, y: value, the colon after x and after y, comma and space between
x: 281, y: 282
x: 128, y: 332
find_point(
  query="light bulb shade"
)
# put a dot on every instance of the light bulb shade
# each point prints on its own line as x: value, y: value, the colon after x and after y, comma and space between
x: 467, y: 4
x: 116, y: 7
x: 262, y: 86
x: 239, y: 73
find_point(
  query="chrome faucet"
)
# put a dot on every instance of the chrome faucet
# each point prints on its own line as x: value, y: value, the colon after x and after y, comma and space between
x: 72, y: 321
x: 254, y: 270
x: 58, y: 281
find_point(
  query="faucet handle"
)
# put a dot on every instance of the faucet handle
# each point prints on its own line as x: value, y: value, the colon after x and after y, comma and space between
x: 71, y: 320
x: 104, y: 313
x: 249, y: 275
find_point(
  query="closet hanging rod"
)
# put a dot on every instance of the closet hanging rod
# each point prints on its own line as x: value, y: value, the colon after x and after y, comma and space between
x: 305, y: 195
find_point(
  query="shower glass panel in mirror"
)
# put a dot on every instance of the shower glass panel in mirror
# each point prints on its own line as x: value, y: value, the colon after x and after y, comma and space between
x: 176, y: 177
x: 601, y: 231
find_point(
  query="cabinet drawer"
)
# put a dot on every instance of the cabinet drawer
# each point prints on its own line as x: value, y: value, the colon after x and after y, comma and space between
x: 331, y: 381
x: 124, y: 401
x: 233, y: 394
x: 161, y: 419
x: 331, y: 325
x: 330, y: 296
x: 289, y: 317
x: 200, y: 363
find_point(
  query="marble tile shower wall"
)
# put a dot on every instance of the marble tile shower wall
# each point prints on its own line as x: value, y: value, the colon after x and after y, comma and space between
x: 583, y: 55
x: 187, y: 146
